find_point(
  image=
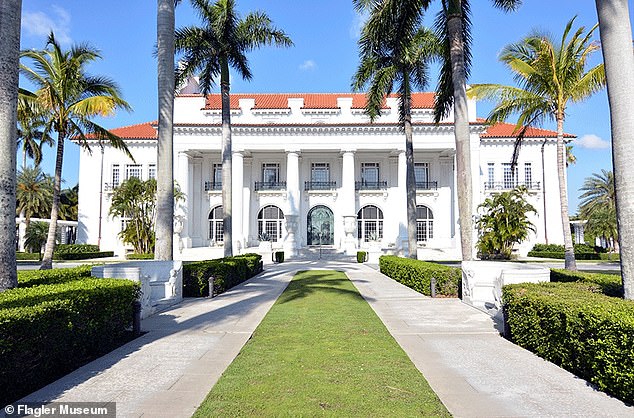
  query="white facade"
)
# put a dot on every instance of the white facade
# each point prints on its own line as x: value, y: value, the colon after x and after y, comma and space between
x: 318, y: 159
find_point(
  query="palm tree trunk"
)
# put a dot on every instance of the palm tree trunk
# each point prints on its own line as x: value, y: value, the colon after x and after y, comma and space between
x: 226, y: 158
x: 47, y: 259
x: 616, y: 40
x: 165, y: 157
x: 569, y: 251
x: 9, y: 63
x: 410, y: 181
x: 461, y: 133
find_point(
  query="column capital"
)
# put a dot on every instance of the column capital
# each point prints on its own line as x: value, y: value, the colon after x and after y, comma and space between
x: 238, y: 152
x: 293, y: 151
x: 348, y: 151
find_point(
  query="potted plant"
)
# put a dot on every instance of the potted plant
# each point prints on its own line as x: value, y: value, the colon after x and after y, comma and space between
x: 265, y: 242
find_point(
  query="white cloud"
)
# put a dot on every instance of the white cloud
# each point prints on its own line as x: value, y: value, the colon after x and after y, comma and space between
x: 308, y: 65
x: 358, y: 21
x: 592, y: 141
x: 40, y: 24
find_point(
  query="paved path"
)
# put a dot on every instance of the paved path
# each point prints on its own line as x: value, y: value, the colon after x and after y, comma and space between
x: 474, y: 371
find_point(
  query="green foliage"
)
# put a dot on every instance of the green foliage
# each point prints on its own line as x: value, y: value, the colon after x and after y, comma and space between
x: 69, y: 203
x: 417, y: 275
x: 48, y: 331
x: 35, y: 236
x: 610, y: 284
x: 610, y: 256
x: 576, y: 327
x: 582, y: 251
x: 30, y: 278
x: 503, y: 223
x: 76, y: 248
x: 34, y: 193
x: 279, y: 256
x: 136, y: 256
x: 27, y: 256
x: 227, y: 272
x: 362, y: 256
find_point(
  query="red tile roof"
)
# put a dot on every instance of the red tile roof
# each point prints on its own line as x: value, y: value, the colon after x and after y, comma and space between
x: 507, y: 130
x: 311, y: 100
x: 139, y: 131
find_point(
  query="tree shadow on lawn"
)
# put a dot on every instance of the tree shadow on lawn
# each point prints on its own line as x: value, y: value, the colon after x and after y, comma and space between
x: 317, y: 281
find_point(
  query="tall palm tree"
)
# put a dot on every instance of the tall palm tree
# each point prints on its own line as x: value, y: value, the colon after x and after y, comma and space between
x: 616, y: 37
x: 34, y: 193
x: 222, y: 42
x: 30, y: 134
x: 164, y: 228
x: 551, y: 75
x: 71, y: 99
x: 10, y: 11
x: 388, y: 56
x: 598, y: 206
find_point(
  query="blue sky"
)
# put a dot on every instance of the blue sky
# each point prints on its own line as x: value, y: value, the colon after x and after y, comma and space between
x: 323, y: 59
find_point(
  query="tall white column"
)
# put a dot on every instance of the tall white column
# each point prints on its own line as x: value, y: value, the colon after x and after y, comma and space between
x: 293, y: 196
x: 237, y: 174
x: 185, y: 208
x: 403, y: 241
x: 348, y: 198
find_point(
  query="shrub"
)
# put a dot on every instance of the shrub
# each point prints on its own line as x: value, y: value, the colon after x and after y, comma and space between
x: 27, y: 256
x: 137, y: 256
x: 227, y: 272
x: 83, y: 256
x: 279, y: 256
x: 576, y: 327
x: 610, y: 284
x: 362, y: 256
x: 76, y: 248
x: 48, y: 331
x: 417, y: 275
x: 582, y: 251
x: 610, y: 256
x: 32, y: 278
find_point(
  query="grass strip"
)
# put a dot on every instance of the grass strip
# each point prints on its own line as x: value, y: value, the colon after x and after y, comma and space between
x: 321, y: 350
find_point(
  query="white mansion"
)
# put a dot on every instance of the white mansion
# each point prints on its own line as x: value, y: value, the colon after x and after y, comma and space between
x: 310, y: 169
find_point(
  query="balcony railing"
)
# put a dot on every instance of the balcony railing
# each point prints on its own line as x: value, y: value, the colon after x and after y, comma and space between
x: 212, y: 185
x: 319, y: 185
x: 370, y: 185
x: 269, y: 185
x: 426, y: 185
x: 508, y: 185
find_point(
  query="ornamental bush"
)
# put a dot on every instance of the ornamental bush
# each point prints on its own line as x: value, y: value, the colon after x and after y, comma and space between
x: 610, y: 284
x: 137, y: 256
x: 417, y: 275
x: 578, y: 328
x: 582, y: 251
x: 227, y: 272
x: 76, y: 248
x: 47, y: 331
x: 30, y: 278
x: 362, y: 256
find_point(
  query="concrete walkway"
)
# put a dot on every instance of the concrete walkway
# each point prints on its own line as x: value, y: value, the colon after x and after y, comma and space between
x: 168, y: 371
x: 474, y: 371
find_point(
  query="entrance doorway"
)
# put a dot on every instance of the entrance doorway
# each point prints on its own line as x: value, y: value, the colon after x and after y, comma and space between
x: 321, y: 224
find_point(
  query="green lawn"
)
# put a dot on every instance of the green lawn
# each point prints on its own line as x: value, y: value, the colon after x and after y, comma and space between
x: 321, y: 350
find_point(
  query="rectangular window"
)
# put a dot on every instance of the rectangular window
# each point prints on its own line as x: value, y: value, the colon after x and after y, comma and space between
x: 132, y: 170
x: 320, y: 172
x: 116, y: 175
x: 491, y: 175
x: 510, y: 176
x: 151, y: 171
x: 370, y: 173
x: 528, y: 175
x: 270, y: 172
x: 216, y: 175
x: 421, y: 173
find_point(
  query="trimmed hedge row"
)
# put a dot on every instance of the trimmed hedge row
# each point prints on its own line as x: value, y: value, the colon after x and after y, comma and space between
x: 30, y: 278
x: 610, y: 284
x: 136, y: 256
x: 417, y: 275
x: 48, y: 331
x: 83, y: 256
x: 27, y: 256
x: 576, y: 327
x: 582, y: 251
x: 561, y: 255
x: 227, y: 272
x: 76, y: 248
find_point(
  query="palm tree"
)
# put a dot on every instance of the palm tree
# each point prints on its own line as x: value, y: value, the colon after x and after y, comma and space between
x: 71, y: 99
x: 69, y: 203
x: 388, y: 56
x: 165, y: 148
x: 551, y: 75
x: 222, y: 42
x: 35, y: 237
x: 34, y: 193
x: 598, y: 206
x: 616, y: 37
x: 30, y: 134
x: 10, y: 11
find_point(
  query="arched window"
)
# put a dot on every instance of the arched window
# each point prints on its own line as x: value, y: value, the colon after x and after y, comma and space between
x: 424, y: 223
x: 370, y: 223
x: 270, y: 221
x: 215, y: 224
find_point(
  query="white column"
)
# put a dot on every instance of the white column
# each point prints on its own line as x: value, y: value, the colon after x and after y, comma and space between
x: 348, y: 198
x: 184, y: 208
x: 237, y: 181
x: 401, y: 206
x: 293, y: 196
x: 246, y: 200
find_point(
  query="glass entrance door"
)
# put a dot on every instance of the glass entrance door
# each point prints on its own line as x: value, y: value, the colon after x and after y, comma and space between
x: 320, y: 226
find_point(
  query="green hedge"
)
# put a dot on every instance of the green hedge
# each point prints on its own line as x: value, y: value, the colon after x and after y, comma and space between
x: 83, y: 256
x: 576, y: 327
x: 417, y: 275
x: 362, y: 256
x: 76, y: 248
x: 135, y: 256
x: 30, y: 278
x: 27, y: 256
x: 561, y: 255
x: 227, y: 272
x: 610, y: 256
x: 48, y: 331
x: 610, y: 284
x: 582, y: 251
